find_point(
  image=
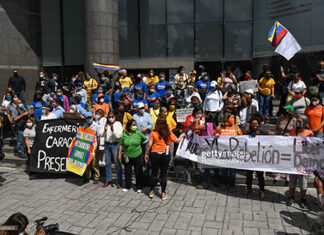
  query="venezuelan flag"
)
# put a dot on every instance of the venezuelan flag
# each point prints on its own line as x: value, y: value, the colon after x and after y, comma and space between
x: 277, y: 32
x: 105, y: 66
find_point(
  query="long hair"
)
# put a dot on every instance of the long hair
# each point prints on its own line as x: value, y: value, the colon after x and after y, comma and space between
x: 17, y: 219
x: 162, y: 128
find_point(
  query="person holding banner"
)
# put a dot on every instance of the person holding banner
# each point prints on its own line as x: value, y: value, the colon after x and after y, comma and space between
x: 228, y: 128
x: 112, y: 132
x: 159, y: 146
x: 130, y: 143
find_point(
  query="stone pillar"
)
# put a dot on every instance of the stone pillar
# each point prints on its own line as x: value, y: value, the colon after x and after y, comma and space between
x: 101, y: 31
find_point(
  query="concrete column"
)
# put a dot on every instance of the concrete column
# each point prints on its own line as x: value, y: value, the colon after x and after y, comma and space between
x: 101, y: 29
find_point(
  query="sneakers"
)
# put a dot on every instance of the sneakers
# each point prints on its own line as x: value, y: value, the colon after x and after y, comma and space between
x: 266, y: 117
x: 164, y: 196
x: 151, y: 194
x: 303, y: 203
x: 290, y: 201
x: 102, y: 163
x: 139, y: 190
x: 125, y: 190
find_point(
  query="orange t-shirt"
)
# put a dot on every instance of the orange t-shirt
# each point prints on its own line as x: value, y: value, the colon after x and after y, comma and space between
x: 159, y: 145
x: 104, y: 108
x: 228, y: 130
x: 315, y: 115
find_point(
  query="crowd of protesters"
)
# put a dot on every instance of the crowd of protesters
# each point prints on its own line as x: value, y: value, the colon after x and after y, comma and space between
x: 135, y: 119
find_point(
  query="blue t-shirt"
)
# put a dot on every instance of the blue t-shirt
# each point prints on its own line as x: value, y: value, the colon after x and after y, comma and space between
x: 136, y: 102
x: 139, y: 86
x: 115, y: 96
x: 155, y: 95
x: 95, y: 98
x: 37, y: 105
x: 160, y: 87
x: 106, y: 86
x: 202, y: 85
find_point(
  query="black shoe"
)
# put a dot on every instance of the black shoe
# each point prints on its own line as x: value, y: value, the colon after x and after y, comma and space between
x: 85, y: 180
x: 303, y: 203
x: 290, y: 201
x: 95, y: 181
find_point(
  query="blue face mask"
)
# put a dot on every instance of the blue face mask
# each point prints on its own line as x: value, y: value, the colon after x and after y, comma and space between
x: 8, y: 97
x: 140, y: 96
x: 161, y: 79
x: 213, y: 88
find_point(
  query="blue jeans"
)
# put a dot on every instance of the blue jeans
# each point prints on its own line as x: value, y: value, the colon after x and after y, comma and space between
x: 207, y: 174
x: 319, y: 135
x: 264, y: 104
x: 228, y: 177
x: 111, y: 151
x: 20, y: 141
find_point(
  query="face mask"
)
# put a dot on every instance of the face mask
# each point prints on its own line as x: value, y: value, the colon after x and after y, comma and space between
x: 141, y: 111
x: 140, y: 96
x: 103, y: 79
x: 172, y: 107
x: 156, y: 106
x: 121, y: 110
x: 15, y: 74
x: 198, y: 115
x: 298, y: 96
x: 100, y: 91
x: 181, y: 84
x: 314, y: 103
x: 73, y: 79
x: 161, y: 79
x: 44, y: 111
x: 151, y: 74
x: 253, y: 128
x: 79, y: 88
x: 41, y: 76
x: 152, y: 91
x: 98, y: 117
x: 59, y: 94
x: 111, y: 119
x: 89, y: 120
x: 15, y: 99
x: 8, y: 97
x: 117, y: 87
x: 101, y: 100
x: 22, y: 233
x: 213, y: 88
x: 21, y: 106
x: 205, y: 79
x: 29, y: 124
x: 231, y: 121
x: 299, y: 125
x: 195, y: 104
x: 169, y: 93
x: 182, y: 72
x: 133, y: 128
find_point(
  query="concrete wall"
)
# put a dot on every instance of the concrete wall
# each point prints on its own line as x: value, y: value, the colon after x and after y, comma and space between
x: 148, y: 64
x: 15, y: 52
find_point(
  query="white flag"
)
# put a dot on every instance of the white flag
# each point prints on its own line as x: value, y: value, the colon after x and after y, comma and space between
x: 288, y: 46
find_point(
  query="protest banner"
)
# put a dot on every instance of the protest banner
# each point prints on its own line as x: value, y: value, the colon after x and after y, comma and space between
x: 182, y: 114
x: 81, y: 151
x: 245, y: 85
x: 51, y: 145
x: 282, y: 154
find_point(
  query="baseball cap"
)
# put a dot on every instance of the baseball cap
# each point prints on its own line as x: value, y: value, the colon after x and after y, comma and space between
x: 289, y: 107
x: 79, y: 84
x: 213, y: 84
x: 140, y: 105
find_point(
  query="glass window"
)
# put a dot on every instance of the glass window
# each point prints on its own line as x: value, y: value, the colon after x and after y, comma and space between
x: 180, y: 11
x: 128, y: 42
x: 128, y: 12
x: 238, y: 10
x: 180, y: 40
x: 209, y: 38
x: 238, y: 41
x: 152, y: 11
x: 153, y: 41
x: 209, y: 10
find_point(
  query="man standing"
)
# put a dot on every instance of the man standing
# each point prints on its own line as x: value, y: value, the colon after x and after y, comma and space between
x: 18, y: 85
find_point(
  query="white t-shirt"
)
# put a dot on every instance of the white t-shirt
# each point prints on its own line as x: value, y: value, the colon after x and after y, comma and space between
x: 102, y: 122
x: 213, y: 101
x: 300, y: 86
x: 50, y: 116
x: 31, y: 134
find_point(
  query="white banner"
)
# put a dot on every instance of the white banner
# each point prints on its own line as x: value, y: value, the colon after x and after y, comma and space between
x: 282, y: 154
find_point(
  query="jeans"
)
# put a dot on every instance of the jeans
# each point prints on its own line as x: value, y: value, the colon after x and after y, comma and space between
x: 264, y: 104
x: 94, y: 165
x: 249, y: 178
x: 136, y: 162
x: 20, y: 141
x: 228, y: 177
x: 159, y: 161
x: 207, y: 174
x: 320, y: 135
x: 111, y: 152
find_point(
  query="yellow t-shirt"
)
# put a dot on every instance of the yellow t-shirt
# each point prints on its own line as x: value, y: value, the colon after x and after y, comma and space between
x: 87, y: 85
x: 150, y: 80
x: 169, y: 119
x: 125, y: 82
x: 266, y: 85
x: 219, y: 82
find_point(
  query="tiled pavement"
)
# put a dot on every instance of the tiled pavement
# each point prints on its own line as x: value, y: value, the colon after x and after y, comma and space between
x: 90, y: 209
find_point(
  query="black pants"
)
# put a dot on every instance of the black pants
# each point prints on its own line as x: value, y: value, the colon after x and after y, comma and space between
x: 136, y: 162
x: 283, y: 99
x: 249, y: 177
x: 159, y: 161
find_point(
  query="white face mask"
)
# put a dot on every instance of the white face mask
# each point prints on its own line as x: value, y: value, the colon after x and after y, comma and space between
x: 41, y: 75
x: 29, y: 124
x: 198, y: 115
x: 102, y: 100
x: 151, y: 74
x: 98, y: 117
x: 141, y: 111
x: 44, y: 111
x: 314, y: 103
x: 59, y: 94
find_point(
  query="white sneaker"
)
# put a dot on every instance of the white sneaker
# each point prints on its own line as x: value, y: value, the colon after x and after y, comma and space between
x: 139, y: 190
x: 125, y: 190
x: 101, y: 163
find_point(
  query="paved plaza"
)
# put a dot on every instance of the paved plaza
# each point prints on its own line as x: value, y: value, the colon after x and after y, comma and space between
x: 90, y: 209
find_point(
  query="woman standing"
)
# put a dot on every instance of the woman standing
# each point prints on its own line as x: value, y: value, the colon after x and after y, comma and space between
x: 301, y: 130
x: 159, y: 146
x: 296, y: 85
x: 315, y: 114
x: 130, y: 143
x: 29, y: 136
x: 101, y: 121
x: 213, y: 103
x: 266, y: 89
x: 112, y: 132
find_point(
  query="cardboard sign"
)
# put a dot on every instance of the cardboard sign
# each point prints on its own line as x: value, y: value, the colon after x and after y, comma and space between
x: 183, y: 113
x: 246, y: 85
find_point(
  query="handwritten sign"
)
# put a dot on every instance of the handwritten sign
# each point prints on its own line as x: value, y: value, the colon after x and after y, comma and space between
x: 81, y: 150
x: 246, y: 85
x: 51, y: 145
x: 282, y: 154
x: 183, y: 113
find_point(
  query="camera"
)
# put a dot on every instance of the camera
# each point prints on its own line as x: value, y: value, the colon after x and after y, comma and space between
x: 48, y: 229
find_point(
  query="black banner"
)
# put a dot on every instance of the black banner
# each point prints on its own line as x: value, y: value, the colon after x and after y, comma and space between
x: 51, y: 146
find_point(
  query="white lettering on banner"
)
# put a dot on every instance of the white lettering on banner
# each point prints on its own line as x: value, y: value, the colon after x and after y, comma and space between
x: 58, y: 142
x: 183, y: 113
x: 50, y: 163
x: 59, y: 128
x: 283, y: 154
